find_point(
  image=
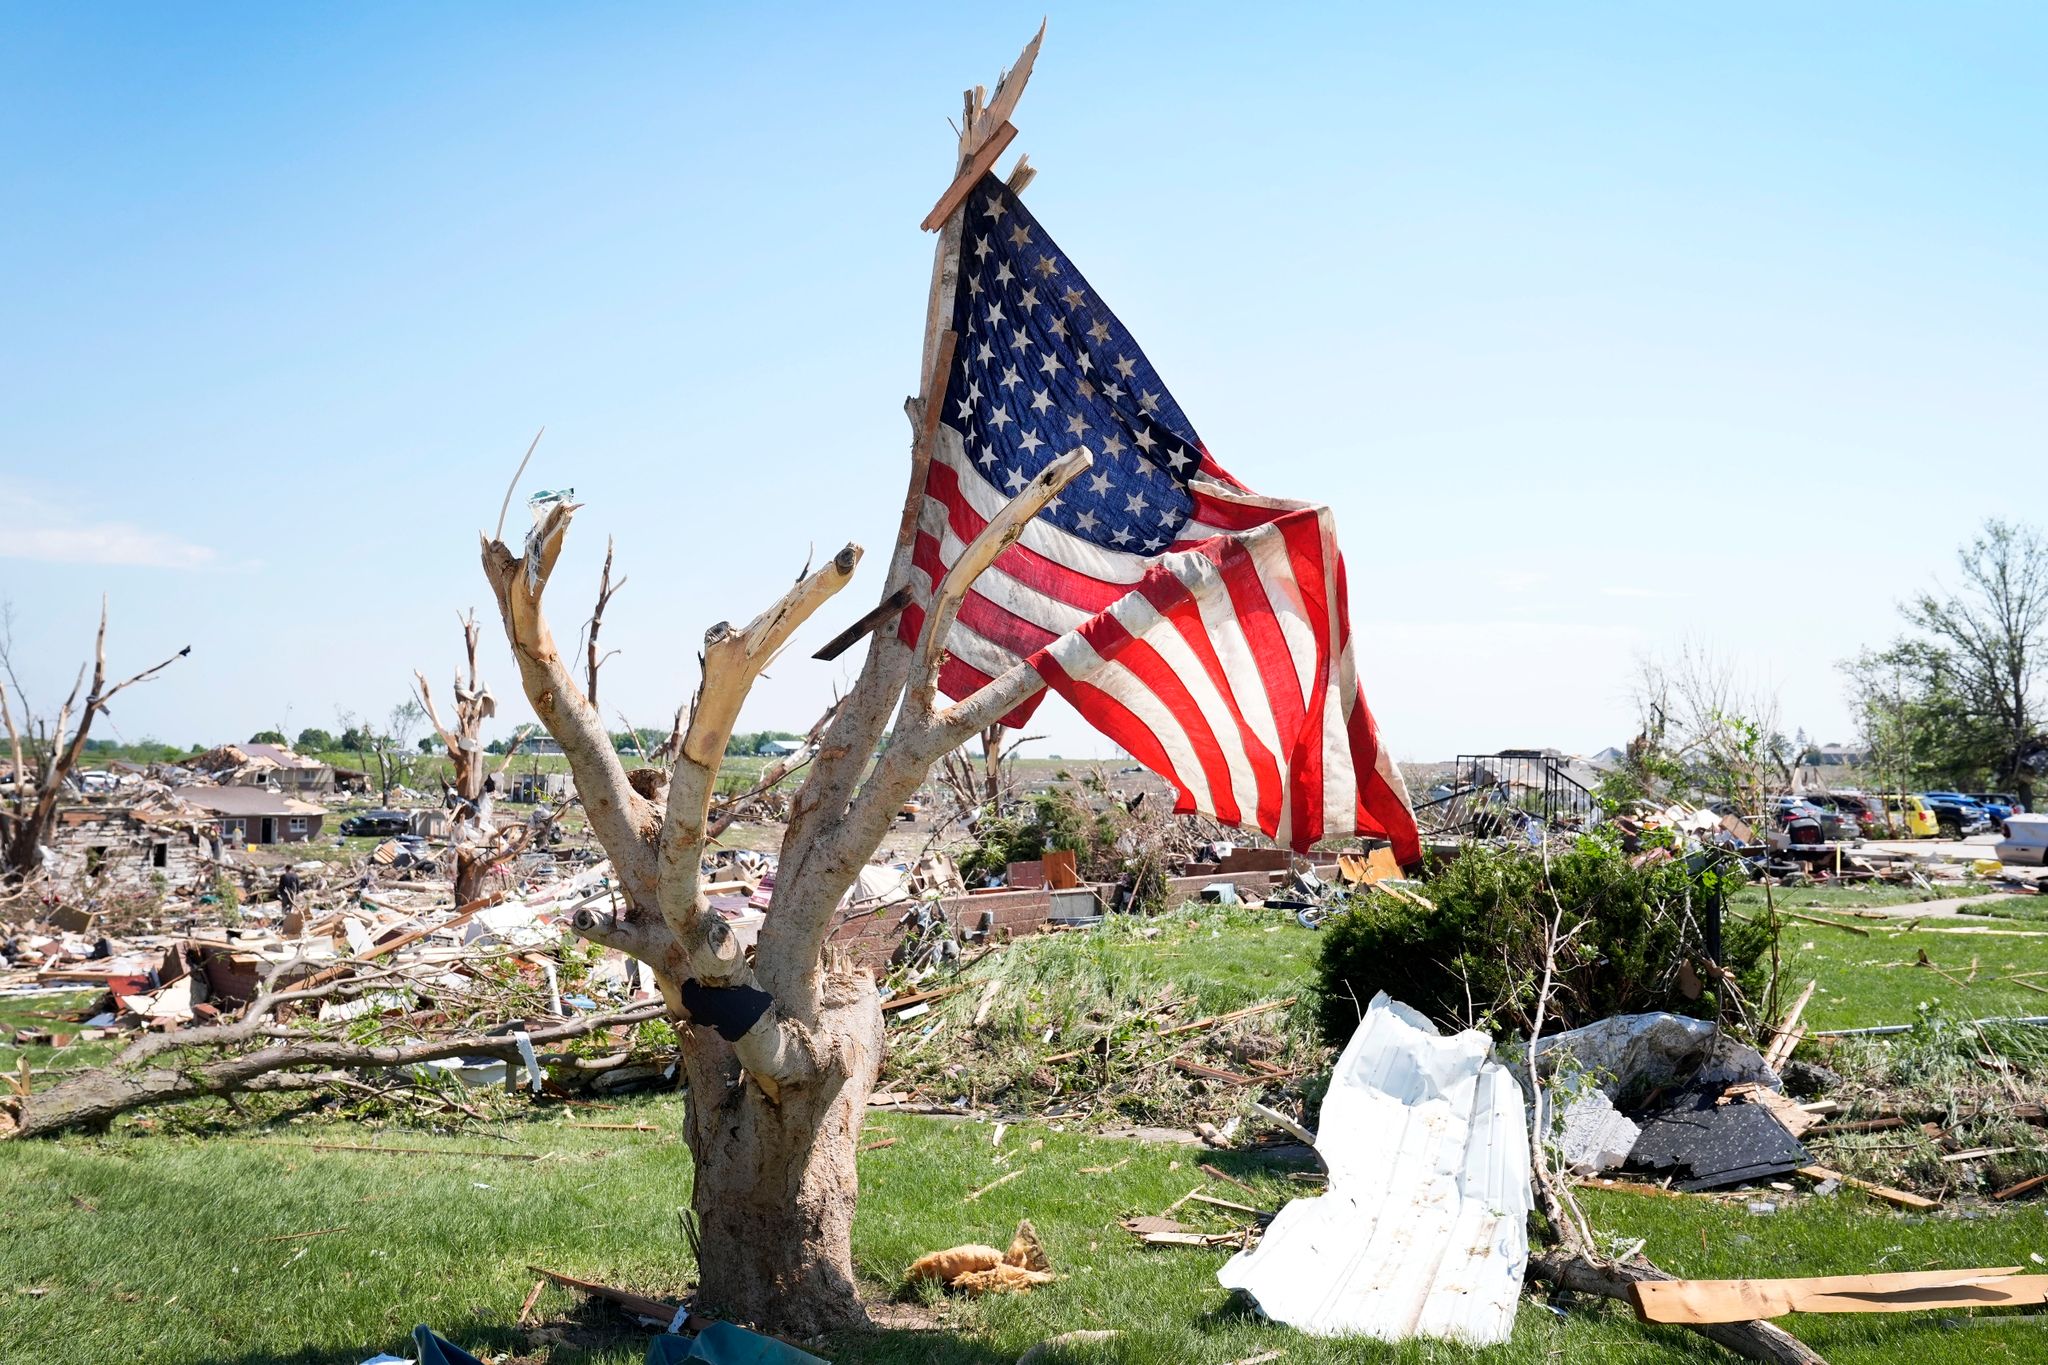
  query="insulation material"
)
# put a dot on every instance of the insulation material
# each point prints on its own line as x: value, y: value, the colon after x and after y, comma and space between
x: 1424, y: 1231
x: 1593, y: 1135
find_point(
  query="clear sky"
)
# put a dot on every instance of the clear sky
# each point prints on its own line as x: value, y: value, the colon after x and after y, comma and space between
x: 1602, y: 328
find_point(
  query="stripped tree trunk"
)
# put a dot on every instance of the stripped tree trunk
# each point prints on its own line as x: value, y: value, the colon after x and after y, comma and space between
x: 781, y: 1051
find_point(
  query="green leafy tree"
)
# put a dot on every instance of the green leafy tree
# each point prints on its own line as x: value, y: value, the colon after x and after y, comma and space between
x: 1995, y: 631
x: 314, y: 741
x: 268, y: 737
x: 1920, y: 728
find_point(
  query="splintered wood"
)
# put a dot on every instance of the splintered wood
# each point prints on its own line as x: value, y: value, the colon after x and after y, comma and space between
x: 1706, y: 1301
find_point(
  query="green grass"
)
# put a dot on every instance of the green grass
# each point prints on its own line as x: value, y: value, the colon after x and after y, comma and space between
x: 58, y: 1014
x: 169, y: 1256
x: 167, y: 1261
x: 1872, y: 980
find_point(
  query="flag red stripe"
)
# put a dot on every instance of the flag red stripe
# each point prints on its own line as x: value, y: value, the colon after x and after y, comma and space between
x: 1112, y: 640
x: 1172, y: 600
x: 1117, y: 721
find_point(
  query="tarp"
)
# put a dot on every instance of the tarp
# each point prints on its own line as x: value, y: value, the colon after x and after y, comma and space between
x: 1424, y: 1231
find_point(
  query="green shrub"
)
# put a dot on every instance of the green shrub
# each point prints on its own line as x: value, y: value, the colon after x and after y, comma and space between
x: 1477, y: 955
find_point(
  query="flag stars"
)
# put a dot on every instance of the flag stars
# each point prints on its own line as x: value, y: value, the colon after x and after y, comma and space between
x: 1099, y: 331
x: 1020, y: 236
x: 1011, y: 379
x: 1030, y: 442
x: 1179, y: 458
x: 982, y: 248
x: 1154, y: 545
x: 1135, y: 504
x: 996, y: 208
x: 1003, y: 273
x: 1086, y: 523
x: 1051, y: 366
x: 1114, y: 445
x: 987, y: 456
x: 1074, y: 298
x: 1113, y: 391
x: 1041, y: 401
x: 1086, y: 388
x: 1029, y: 298
x: 1000, y: 417
x: 974, y: 286
x: 1076, y: 424
x: 985, y: 352
x: 1098, y: 483
x: 1016, y: 481
x: 1145, y: 439
x: 1019, y: 338
x: 1121, y: 536
x: 1148, y: 401
x: 1047, y: 267
x: 1059, y: 328
x: 1126, y: 367
x: 994, y: 314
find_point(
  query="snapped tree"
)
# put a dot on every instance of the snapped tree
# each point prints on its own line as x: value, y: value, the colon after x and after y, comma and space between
x: 782, y: 1050
x: 477, y: 843
x: 44, y: 752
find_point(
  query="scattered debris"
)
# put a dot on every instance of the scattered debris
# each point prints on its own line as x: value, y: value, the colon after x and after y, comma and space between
x: 976, y: 1269
x: 1427, y: 1146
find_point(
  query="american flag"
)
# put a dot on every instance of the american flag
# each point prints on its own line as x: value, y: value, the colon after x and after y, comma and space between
x: 1200, y: 626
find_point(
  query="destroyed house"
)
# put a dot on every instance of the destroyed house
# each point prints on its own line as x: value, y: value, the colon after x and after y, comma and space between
x: 256, y: 815
x: 290, y: 771
x: 123, y: 841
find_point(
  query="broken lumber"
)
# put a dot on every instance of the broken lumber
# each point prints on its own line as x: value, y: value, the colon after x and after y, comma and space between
x: 639, y: 1305
x: 1688, y: 1302
x: 2015, y: 1191
x: 1885, y: 1192
x: 1751, y: 1339
x: 1206, y: 1169
x: 1788, y: 1033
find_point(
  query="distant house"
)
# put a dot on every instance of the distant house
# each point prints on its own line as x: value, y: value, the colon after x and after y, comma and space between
x: 778, y: 748
x: 125, y: 842
x: 541, y: 744
x: 1837, y: 756
x: 294, y: 772
x: 263, y: 765
x: 256, y: 815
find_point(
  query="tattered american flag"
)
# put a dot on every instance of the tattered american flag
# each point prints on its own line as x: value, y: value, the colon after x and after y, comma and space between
x: 1201, y: 627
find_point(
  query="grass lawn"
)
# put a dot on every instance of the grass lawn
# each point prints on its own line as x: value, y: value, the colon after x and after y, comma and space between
x: 180, y: 1250
x: 159, y: 1244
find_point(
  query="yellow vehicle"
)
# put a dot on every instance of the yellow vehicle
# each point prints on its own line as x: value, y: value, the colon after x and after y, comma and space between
x: 1910, y: 817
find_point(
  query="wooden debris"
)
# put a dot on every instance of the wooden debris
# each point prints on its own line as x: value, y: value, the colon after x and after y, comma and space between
x: 897, y: 1002
x: 647, y: 1310
x: 878, y: 1144
x: 1698, y: 1301
x: 1977, y: 1153
x: 2015, y: 1191
x: 1598, y: 1182
x: 1832, y: 924
x: 1788, y: 1034
x: 616, y: 1127
x: 1891, y: 1196
x: 1883, y: 1124
x: 1002, y: 1180
x: 1796, y: 1118
x: 532, y: 1298
x: 1214, y: 1202
x: 1215, y: 1174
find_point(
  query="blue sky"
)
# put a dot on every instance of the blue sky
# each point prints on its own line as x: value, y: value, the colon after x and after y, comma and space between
x: 1602, y: 328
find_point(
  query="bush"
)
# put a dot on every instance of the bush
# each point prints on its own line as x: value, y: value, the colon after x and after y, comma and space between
x: 1477, y: 956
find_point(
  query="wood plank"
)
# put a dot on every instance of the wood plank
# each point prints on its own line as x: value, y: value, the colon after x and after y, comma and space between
x: 1702, y: 1301
x: 983, y: 160
x: 1788, y: 1033
x: 2015, y: 1191
x: 1885, y: 1192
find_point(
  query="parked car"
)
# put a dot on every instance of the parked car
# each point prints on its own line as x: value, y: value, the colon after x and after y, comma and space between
x: 1866, y: 812
x: 381, y: 823
x: 1909, y: 817
x: 1958, y: 815
x: 1833, y: 825
x: 2026, y: 841
x: 2002, y: 805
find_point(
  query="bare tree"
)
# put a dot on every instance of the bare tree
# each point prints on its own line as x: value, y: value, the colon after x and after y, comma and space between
x: 44, y: 752
x: 1704, y: 726
x: 783, y: 1049
x: 1996, y: 629
x: 476, y: 841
